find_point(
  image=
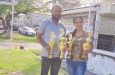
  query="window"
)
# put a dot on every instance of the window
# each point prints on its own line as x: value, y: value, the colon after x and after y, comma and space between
x: 106, y: 42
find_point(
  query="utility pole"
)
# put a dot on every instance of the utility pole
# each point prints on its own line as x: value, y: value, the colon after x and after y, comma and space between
x: 11, y: 31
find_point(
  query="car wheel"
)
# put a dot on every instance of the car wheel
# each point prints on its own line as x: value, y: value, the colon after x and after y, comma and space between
x: 19, y: 32
x: 26, y: 33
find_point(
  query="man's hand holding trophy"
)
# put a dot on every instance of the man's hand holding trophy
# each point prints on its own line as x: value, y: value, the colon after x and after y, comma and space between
x: 62, y: 43
x: 51, y: 44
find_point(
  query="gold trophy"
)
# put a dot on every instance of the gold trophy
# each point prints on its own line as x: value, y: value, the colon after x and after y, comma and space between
x: 62, y: 43
x: 51, y: 44
x: 87, y: 45
x: 69, y: 46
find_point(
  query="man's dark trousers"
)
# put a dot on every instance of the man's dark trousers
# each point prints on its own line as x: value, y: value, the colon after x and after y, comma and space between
x: 52, y: 64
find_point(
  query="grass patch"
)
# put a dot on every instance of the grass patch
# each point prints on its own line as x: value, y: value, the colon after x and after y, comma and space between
x: 18, y: 38
x: 3, y: 37
x: 22, y: 38
x: 17, y: 60
x: 12, y: 60
x: 36, y: 52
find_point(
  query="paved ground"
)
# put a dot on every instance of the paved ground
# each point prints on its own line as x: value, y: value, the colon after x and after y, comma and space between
x: 31, y: 46
x: 14, y: 45
x: 1, y: 30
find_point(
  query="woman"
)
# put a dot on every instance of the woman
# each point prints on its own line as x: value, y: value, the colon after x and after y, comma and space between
x: 78, y: 62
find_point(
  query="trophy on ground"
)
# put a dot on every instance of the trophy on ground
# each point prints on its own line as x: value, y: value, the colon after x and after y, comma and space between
x: 87, y: 45
x: 62, y: 43
x: 51, y: 44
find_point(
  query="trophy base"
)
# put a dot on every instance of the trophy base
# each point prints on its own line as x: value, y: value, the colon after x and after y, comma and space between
x: 84, y: 56
x: 50, y: 56
x: 61, y: 56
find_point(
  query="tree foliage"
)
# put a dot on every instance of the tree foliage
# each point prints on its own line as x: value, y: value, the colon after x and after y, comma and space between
x: 26, y: 6
x: 4, y: 9
x: 31, y: 5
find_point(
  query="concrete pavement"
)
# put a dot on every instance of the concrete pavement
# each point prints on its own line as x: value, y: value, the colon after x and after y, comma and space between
x: 26, y: 45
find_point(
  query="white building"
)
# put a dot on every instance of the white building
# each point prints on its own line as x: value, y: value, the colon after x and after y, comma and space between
x: 102, y: 22
x: 37, y: 18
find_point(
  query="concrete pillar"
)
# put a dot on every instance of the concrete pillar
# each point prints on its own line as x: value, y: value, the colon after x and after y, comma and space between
x: 97, y: 21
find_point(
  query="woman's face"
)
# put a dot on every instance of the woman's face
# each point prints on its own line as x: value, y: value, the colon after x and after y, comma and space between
x: 78, y: 23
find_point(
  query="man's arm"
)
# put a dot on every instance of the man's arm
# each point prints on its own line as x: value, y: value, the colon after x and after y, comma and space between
x: 40, y: 33
x: 41, y: 42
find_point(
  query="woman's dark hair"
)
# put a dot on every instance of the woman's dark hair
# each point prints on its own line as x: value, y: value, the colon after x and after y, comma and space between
x: 74, y: 22
x: 74, y: 32
x: 78, y: 17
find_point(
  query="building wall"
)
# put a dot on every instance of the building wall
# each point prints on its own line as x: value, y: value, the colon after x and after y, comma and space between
x: 73, y: 4
x: 107, y: 26
x: 109, y: 1
x: 37, y: 19
x: 68, y: 20
x: 101, y: 62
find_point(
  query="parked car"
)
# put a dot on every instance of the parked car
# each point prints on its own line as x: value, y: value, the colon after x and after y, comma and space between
x: 26, y: 31
x: 36, y: 29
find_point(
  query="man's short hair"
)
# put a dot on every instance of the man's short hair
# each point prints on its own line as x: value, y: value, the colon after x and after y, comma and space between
x: 57, y: 4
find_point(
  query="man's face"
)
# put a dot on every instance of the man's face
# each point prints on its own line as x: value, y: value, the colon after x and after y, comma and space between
x: 0, y: 22
x: 56, y: 12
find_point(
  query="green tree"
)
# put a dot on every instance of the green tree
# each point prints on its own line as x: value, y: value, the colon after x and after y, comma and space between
x: 4, y: 9
x: 26, y: 6
x: 29, y: 6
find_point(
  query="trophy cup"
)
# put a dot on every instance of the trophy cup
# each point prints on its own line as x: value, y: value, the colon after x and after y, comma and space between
x: 87, y: 45
x: 69, y: 46
x: 51, y: 44
x: 62, y: 43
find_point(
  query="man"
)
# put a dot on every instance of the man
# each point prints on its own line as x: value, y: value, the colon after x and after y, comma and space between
x: 50, y: 25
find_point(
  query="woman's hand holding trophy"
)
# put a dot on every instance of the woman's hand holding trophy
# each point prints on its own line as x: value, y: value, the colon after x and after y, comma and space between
x: 69, y: 46
x: 87, y: 45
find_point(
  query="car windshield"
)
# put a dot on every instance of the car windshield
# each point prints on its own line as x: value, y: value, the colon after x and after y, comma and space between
x: 28, y: 29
